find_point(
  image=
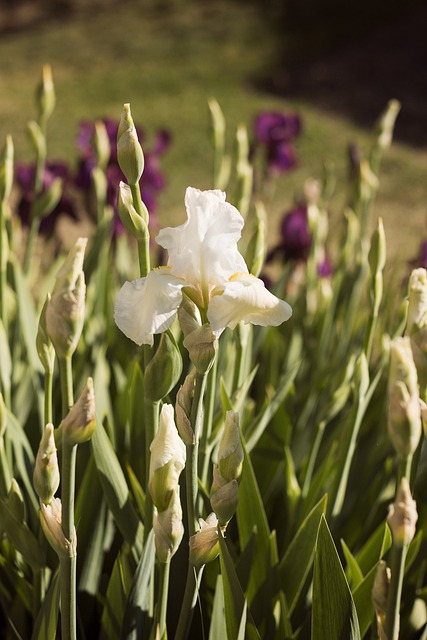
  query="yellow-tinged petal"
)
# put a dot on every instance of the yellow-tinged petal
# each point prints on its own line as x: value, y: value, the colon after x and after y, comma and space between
x: 148, y: 306
x: 245, y: 298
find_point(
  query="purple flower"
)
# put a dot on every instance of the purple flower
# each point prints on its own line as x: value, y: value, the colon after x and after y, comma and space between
x: 324, y: 268
x: 295, y: 234
x: 421, y: 259
x: 272, y: 127
x: 25, y: 175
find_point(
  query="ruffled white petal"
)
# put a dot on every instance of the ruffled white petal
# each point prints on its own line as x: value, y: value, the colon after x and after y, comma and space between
x: 203, y: 250
x: 148, y: 305
x: 245, y: 298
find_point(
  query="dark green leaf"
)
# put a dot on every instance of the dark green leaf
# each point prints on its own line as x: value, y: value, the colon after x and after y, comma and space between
x: 47, y: 621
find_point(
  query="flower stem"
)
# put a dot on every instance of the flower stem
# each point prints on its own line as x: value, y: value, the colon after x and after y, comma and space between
x: 68, y: 474
x: 164, y: 571
x: 397, y: 566
x: 191, y: 467
x: 48, y: 382
x: 144, y: 244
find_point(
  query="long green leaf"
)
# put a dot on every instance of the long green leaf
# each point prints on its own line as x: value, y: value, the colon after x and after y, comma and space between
x: 46, y: 624
x: 297, y: 561
x: 334, y: 613
x: 22, y: 538
x: 235, y: 603
x: 362, y: 596
x: 218, y: 628
x: 116, y: 597
x: 115, y: 489
x: 138, y: 604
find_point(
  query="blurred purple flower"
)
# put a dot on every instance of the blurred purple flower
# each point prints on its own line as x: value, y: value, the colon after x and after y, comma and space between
x: 324, y: 268
x: 421, y: 259
x: 275, y: 132
x: 25, y: 175
x: 295, y: 238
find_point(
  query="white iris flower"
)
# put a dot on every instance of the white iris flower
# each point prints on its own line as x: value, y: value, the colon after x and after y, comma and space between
x: 204, y: 262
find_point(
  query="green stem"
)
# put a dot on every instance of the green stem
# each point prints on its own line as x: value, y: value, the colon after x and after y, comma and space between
x: 397, y: 567
x: 48, y: 384
x: 163, y: 596
x: 189, y: 602
x: 205, y: 448
x: 144, y: 244
x: 68, y: 475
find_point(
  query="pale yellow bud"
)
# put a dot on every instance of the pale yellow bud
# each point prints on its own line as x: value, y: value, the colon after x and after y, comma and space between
x: 230, y: 450
x: 46, y: 469
x: 168, y: 528
x: 403, y: 516
x: 51, y: 521
x: 129, y: 152
x: 44, y: 345
x: 224, y: 497
x: 380, y: 589
x: 204, y: 545
x: 184, y: 400
x: 404, y: 415
x: 65, y: 309
x: 79, y: 423
x: 417, y: 302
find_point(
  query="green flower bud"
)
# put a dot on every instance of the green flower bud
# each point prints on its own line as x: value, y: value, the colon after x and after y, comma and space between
x: 65, y: 310
x: 386, y: 124
x: 224, y: 497
x: 255, y: 253
x: 377, y: 251
x: 184, y: 400
x: 230, y: 450
x: 164, y: 369
x: 79, y: 423
x: 6, y: 169
x: 51, y: 521
x: 45, y: 349
x: 204, y: 545
x: 134, y: 224
x: 46, y: 469
x: 102, y: 144
x: 129, y: 152
x: 47, y: 201
x: 168, y: 528
x: 167, y: 460
x: 404, y: 416
x: 45, y: 94
x: 380, y: 591
x: 402, y: 517
x: 199, y: 340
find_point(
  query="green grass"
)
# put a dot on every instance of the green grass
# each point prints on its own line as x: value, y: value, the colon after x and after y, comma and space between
x: 167, y: 62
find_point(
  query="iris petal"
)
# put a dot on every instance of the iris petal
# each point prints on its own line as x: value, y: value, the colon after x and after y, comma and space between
x: 148, y: 305
x: 245, y: 299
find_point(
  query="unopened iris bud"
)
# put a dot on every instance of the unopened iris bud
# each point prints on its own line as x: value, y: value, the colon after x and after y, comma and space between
x: 129, y: 152
x: 230, y: 450
x: 184, y: 400
x: 204, y: 545
x: 51, y: 521
x: 37, y: 138
x: 134, y: 224
x: 416, y: 324
x: 45, y: 94
x: 224, y: 497
x: 65, y: 310
x: 102, y: 144
x: 44, y: 345
x: 6, y: 169
x: 46, y: 470
x: 386, y: 124
x: 79, y: 423
x: 380, y: 593
x: 403, y: 516
x: 168, y: 528
x: 377, y: 251
x: 167, y: 459
x: 255, y: 253
x: 404, y: 415
x: 199, y: 340
x: 164, y: 369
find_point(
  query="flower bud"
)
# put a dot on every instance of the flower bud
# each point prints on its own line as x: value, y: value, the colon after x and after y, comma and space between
x: 204, y: 545
x: 129, y: 152
x: 402, y: 517
x: 164, y: 369
x: 45, y: 349
x: 380, y: 592
x: 224, y: 497
x: 6, y: 169
x: 46, y: 469
x: 167, y: 460
x: 79, y: 423
x: 65, y: 310
x: 377, y: 251
x: 184, y: 400
x: 45, y: 94
x: 417, y: 302
x: 199, y: 340
x: 51, y: 521
x: 134, y: 224
x: 404, y: 416
x: 230, y: 450
x: 386, y: 124
x: 101, y: 144
x: 168, y: 528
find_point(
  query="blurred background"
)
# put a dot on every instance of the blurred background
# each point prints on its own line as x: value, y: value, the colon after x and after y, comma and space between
x: 333, y: 64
